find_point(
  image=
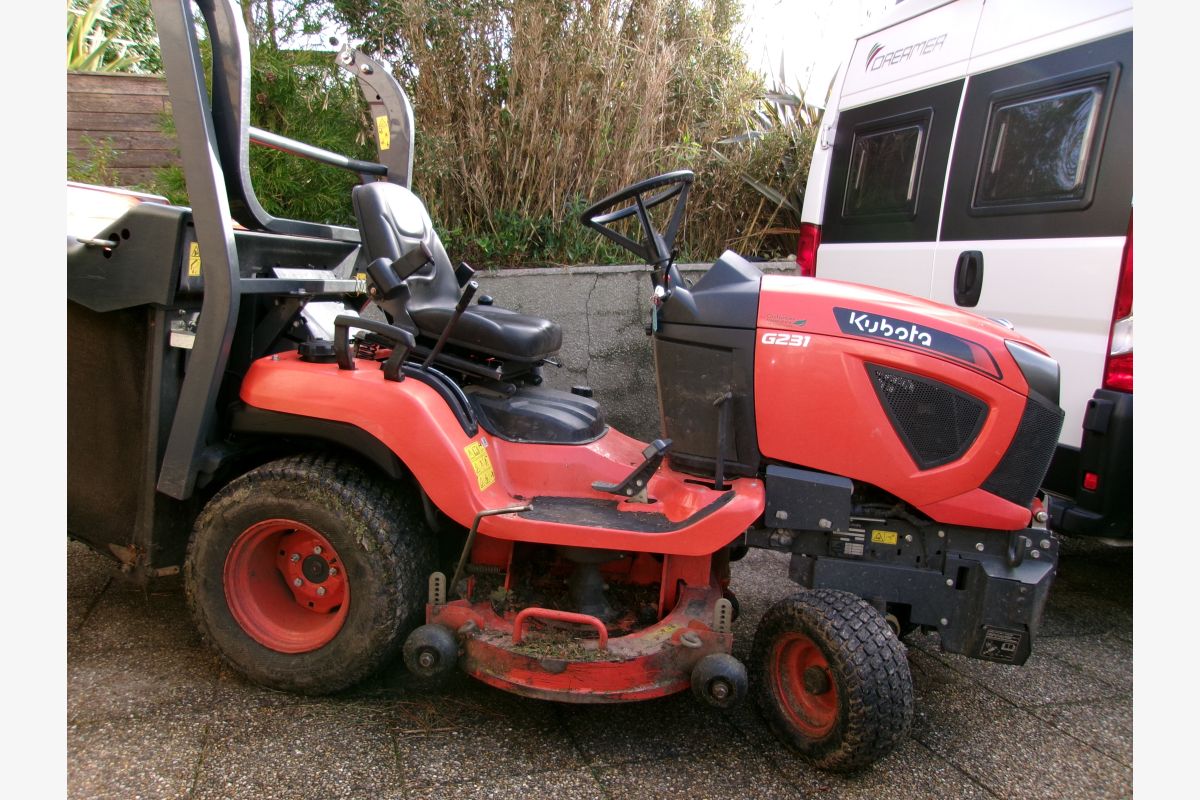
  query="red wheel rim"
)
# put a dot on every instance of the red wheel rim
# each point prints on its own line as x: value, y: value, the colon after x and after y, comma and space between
x: 804, y: 685
x: 286, y: 586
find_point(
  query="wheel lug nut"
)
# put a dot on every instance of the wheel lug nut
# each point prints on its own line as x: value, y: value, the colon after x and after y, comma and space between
x: 295, y: 557
x: 298, y: 582
x: 317, y: 549
x: 332, y: 571
x: 320, y: 591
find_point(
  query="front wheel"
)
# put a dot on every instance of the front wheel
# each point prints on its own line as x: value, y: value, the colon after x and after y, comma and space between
x: 305, y: 573
x: 832, y: 679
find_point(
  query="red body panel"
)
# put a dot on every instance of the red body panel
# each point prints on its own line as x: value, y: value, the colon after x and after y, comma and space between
x: 816, y: 404
x: 414, y: 422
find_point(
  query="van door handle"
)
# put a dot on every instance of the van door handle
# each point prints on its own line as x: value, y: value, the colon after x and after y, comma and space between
x: 968, y: 278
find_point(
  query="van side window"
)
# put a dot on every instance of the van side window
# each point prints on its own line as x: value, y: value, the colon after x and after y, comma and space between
x: 885, y: 166
x: 1040, y: 147
x: 1044, y: 148
x: 888, y: 167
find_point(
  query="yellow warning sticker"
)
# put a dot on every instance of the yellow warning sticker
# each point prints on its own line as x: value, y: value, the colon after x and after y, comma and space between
x: 194, y: 260
x: 482, y: 465
x: 663, y: 633
x: 884, y: 537
x: 385, y: 132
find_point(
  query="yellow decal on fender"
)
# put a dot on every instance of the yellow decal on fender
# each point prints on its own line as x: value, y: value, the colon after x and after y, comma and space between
x: 385, y: 132
x: 482, y: 465
x: 884, y: 537
x: 194, y: 260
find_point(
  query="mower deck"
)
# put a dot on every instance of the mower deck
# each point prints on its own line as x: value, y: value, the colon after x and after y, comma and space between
x: 558, y: 663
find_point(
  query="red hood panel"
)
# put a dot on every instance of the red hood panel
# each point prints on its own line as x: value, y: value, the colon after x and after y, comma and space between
x: 817, y: 405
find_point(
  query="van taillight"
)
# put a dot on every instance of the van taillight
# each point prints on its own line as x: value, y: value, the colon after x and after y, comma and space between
x: 806, y: 252
x: 1118, y: 368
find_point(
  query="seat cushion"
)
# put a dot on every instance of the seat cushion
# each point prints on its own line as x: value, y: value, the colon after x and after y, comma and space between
x: 495, y: 331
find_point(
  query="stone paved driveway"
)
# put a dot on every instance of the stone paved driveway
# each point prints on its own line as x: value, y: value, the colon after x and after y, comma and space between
x: 151, y: 714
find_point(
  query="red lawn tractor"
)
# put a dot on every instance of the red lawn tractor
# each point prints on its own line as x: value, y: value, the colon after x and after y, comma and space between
x: 348, y: 458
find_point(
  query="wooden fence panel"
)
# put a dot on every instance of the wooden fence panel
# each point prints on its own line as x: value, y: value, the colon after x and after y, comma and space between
x: 126, y: 110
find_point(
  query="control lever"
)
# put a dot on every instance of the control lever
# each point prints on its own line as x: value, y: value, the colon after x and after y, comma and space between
x: 635, y: 484
x: 468, y: 292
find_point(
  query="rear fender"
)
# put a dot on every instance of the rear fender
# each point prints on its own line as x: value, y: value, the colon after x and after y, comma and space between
x: 408, y: 417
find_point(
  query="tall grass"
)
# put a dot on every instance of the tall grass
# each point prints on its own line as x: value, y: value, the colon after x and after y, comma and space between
x: 527, y: 109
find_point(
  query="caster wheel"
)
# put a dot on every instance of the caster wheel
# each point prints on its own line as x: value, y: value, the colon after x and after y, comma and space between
x: 720, y: 680
x: 431, y: 652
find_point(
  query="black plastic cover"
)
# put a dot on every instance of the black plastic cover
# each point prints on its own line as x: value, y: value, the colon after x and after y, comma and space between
x: 726, y: 296
x: 140, y: 270
x: 1041, y: 371
x: 800, y: 499
x: 537, y: 415
x: 697, y: 365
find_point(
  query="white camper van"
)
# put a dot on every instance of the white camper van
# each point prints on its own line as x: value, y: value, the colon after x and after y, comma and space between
x: 980, y: 153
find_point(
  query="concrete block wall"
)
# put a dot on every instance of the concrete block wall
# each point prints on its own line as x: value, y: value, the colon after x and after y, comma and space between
x: 603, y: 312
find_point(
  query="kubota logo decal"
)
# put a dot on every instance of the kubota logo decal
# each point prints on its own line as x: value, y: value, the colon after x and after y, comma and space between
x: 877, y: 59
x: 904, y: 332
x: 877, y: 326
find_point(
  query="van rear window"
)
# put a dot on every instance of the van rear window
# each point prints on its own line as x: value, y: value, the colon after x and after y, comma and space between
x: 884, y: 171
x: 1038, y: 149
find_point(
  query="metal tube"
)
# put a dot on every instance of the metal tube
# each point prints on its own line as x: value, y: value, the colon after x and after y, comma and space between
x: 466, y: 551
x: 298, y: 148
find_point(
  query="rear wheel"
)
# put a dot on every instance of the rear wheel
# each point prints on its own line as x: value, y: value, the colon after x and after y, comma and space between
x: 832, y: 679
x: 305, y: 573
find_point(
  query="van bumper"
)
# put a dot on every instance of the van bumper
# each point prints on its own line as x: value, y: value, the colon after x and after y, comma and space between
x: 1106, y: 452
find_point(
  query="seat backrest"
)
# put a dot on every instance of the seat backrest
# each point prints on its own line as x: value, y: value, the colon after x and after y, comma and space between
x: 393, y: 222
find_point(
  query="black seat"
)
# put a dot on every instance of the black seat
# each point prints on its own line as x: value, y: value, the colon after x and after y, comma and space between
x: 394, y: 223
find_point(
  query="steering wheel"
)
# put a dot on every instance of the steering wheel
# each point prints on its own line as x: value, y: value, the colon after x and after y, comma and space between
x: 656, y: 248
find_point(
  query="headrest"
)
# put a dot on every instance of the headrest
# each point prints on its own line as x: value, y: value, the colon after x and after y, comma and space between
x: 391, y: 218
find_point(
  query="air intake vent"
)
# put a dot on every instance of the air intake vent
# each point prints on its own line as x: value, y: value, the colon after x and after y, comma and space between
x: 1021, y: 471
x: 936, y: 422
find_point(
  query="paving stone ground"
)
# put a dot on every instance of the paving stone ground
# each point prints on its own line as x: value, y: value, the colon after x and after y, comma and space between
x: 152, y: 714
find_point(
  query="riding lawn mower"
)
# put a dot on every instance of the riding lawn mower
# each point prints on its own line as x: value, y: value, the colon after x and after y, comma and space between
x: 349, y: 460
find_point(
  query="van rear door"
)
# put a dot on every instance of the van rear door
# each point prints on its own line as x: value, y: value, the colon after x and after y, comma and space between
x: 894, y: 130
x: 1040, y: 187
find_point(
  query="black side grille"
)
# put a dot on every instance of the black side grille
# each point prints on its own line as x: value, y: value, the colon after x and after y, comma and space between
x: 936, y: 422
x: 1023, y: 468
